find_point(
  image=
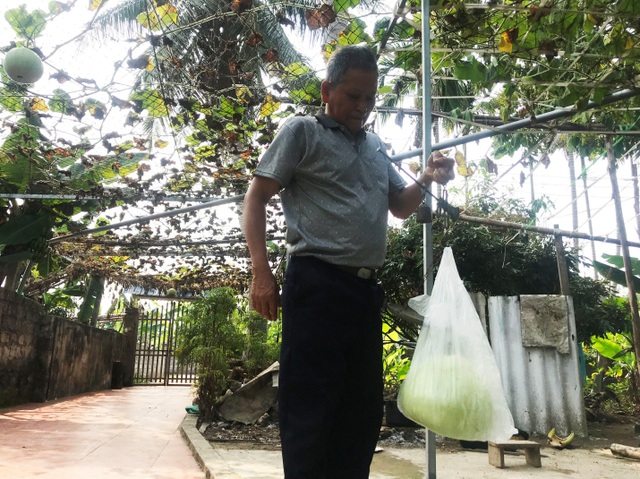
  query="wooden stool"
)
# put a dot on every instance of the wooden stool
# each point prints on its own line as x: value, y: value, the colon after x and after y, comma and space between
x: 531, y: 452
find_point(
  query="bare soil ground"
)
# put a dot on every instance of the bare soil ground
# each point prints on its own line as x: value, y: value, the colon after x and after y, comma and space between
x: 265, y: 435
x: 253, y: 452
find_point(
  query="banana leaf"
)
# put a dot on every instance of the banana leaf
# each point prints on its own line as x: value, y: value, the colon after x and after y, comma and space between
x: 24, y: 228
x: 618, y: 261
x: 615, y: 275
x: 17, y: 257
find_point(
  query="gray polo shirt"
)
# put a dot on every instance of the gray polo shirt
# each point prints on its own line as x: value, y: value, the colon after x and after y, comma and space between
x: 336, y: 190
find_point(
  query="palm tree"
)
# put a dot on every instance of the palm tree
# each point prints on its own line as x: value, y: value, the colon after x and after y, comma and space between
x: 215, y: 46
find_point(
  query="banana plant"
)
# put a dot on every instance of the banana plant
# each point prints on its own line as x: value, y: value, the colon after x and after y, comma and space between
x: 90, y: 307
x: 618, y: 348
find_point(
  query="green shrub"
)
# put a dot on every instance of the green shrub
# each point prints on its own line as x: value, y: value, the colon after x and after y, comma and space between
x: 211, y: 338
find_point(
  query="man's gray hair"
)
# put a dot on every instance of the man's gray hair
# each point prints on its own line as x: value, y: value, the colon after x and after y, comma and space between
x: 357, y: 57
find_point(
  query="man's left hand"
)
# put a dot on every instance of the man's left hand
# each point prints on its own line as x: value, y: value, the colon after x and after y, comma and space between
x: 440, y: 168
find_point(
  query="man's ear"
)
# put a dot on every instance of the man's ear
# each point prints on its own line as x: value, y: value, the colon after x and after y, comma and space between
x: 325, y: 88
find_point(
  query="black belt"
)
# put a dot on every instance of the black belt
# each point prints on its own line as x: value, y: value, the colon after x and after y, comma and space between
x: 363, y: 273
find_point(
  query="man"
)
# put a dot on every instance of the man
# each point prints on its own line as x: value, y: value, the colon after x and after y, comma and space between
x: 337, y: 186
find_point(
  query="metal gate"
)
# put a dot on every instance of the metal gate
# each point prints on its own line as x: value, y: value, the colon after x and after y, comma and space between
x: 158, y: 334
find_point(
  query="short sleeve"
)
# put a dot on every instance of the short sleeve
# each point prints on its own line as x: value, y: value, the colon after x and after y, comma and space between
x: 281, y: 159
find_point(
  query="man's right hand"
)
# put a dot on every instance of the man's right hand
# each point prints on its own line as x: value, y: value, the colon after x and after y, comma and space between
x: 264, y: 292
x: 265, y: 295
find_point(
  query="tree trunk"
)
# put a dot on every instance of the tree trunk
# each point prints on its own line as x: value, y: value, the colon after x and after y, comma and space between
x: 636, y: 194
x: 588, y: 206
x: 628, y: 268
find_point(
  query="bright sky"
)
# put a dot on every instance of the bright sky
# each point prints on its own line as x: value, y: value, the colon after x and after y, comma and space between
x: 92, y: 60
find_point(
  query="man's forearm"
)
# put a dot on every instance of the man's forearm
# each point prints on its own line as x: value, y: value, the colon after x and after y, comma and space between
x: 255, y: 231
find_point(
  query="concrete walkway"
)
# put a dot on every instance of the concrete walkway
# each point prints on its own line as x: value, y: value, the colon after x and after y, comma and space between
x: 131, y: 433
x: 135, y: 433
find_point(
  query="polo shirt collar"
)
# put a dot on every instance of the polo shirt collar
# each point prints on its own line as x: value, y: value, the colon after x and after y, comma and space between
x: 328, y: 122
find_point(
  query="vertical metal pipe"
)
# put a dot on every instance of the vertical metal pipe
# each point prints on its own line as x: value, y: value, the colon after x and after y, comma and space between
x: 430, y: 470
x: 153, y: 319
x: 146, y: 351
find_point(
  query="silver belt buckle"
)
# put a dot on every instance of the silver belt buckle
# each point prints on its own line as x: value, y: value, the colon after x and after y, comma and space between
x: 364, y: 273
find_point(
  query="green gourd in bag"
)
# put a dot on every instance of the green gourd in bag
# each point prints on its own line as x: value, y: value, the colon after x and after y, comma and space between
x: 453, y: 386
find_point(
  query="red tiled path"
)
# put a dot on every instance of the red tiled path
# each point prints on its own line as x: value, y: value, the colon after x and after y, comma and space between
x: 126, y: 433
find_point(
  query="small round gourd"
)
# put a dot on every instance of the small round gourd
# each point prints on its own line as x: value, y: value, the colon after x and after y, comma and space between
x: 23, y: 65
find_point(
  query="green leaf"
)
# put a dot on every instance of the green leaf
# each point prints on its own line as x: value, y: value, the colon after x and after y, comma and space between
x: 296, y: 69
x: 205, y: 153
x: 628, y: 6
x: 471, y: 70
x: 55, y: 7
x: 61, y: 102
x: 163, y: 16
x: 24, y: 228
x: 606, y: 347
x: 343, y: 5
x: 380, y: 28
x: 26, y: 25
x: 614, y: 274
x: 12, y: 96
x: 17, y: 257
x: 227, y: 107
x: 44, y: 265
x: 404, y: 31
x: 20, y: 160
x: 301, y: 96
x: 103, y: 170
x: 598, y: 94
x: 96, y: 108
x: 152, y: 101
x: 354, y: 34
x: 618, y: 261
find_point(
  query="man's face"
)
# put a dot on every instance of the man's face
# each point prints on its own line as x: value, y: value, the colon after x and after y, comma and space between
x: 351, y: 101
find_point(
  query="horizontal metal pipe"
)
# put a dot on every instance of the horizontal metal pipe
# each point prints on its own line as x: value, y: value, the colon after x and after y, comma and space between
x: 34, y: 196
x: 164, y: 214
x: 543, y: 230
x: 516, y: 125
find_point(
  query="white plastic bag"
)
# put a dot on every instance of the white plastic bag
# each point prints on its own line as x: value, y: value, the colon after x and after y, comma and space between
x: 453, y: 386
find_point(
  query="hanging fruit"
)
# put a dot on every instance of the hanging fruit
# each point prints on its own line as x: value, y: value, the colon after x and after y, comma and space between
x: 23, y: 65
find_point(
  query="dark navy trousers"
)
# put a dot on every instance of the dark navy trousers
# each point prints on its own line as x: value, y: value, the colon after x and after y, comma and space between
x: 330, y: 382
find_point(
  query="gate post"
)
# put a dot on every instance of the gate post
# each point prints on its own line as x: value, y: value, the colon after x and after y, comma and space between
x: 131, y: 320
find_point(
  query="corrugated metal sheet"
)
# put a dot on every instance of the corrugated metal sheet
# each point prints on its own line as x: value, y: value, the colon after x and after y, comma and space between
x: 542, y: 386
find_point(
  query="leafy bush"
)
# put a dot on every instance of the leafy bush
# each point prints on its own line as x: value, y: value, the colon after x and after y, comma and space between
x: 396, y: 360
x: 211, y: 339
x: 262, y: 343
x: 612, y: 381
x: 224, y: 340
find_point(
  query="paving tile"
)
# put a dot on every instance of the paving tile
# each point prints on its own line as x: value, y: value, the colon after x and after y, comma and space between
x: 131, y: 432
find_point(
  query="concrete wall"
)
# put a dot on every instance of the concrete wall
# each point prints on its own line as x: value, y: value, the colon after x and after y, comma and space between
x: 44, y: 358
x: 20, y: 366
x: 82, y: 358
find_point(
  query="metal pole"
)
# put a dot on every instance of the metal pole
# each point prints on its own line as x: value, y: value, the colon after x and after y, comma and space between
x: 164, y: 214
x: 516, y: 125
x: 430, y: 437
